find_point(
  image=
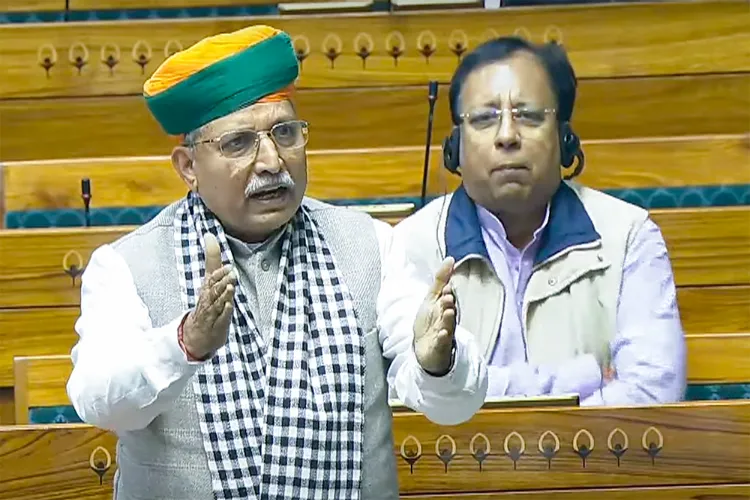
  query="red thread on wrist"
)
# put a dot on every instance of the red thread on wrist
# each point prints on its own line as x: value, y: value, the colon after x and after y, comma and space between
x: 181, y: 342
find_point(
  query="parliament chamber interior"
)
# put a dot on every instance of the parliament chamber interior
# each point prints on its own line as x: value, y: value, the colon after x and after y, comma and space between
x: 663, y: 112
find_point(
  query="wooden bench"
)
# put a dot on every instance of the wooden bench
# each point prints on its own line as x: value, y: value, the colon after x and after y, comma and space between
x: 40, y: 381
x: 662, y: 41
x: 380, y: 174
x: 32, y: 5
x: 537, y: 451
x: 622, y: 81
x: 75, y: 5
x: 379, y: 117
x: 710, y: 253
x: 708, y: 247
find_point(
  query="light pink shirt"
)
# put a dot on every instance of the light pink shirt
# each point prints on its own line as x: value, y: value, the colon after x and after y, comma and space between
x: 647, y: 316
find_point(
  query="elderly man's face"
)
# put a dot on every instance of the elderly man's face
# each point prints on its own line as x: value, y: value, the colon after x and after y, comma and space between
x: 254, y: 183
x: 510, y: 164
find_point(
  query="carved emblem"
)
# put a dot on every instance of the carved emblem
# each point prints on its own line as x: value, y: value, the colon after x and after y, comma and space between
x: 47, y: 57
x: 172, y: 47
x: 142, y: 54
x: 549, y: 448
x: 110, y: 56
x: 301, y: 47
x: 583, y: 450
x: 444, y: 453
x: 426, y: 44
x: 332, y: 47
x: 412, y: 454
x: 652, y: 442
x: 395, y: 45
x: 72, y: 265
x: 516, y: 452
x: 617, y: 447
x: 78, y: 56
x: 458, y: 42
x: 482, y: 451
x: 99, y: 466
x: 363, y: 47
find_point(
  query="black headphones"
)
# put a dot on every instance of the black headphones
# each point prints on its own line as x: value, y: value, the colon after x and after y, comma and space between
x: 570, y: 149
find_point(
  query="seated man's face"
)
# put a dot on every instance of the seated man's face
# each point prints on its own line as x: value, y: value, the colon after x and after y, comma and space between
x: 254, y: 183
x: 510, y: 163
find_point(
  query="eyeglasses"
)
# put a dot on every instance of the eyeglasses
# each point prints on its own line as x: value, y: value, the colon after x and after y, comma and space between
x: 244, y: 143
x: 483, y: 118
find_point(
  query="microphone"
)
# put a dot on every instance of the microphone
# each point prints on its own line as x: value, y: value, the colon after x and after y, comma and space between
x: 86, y: 196
x: 432, y: 95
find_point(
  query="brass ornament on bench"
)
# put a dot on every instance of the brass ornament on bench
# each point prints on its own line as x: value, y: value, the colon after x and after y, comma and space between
x: 100, y: 467
x: 618, y: 449
x: 78, y: 56
x: 73, y: 269
x: 480, y: 453
x: 395, y: 46
x: 548, y: 450
x: 142, y: 54
x: 411, y: 455
x: 47, y: 57
x: 583, y: 450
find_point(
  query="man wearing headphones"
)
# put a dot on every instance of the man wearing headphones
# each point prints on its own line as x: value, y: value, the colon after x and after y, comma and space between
x: 565, y: 289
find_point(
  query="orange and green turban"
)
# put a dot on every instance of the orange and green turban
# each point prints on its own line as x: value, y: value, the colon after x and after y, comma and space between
x: 219, y: 75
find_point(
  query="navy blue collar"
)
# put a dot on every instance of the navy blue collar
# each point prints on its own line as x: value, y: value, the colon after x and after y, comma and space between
x: 569, y: 225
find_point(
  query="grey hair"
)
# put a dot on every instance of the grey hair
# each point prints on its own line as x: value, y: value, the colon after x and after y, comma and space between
x: 193, y: 136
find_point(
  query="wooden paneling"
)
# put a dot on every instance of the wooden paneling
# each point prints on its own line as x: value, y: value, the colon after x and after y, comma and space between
x: 701, y: 443
x: 43, y: 267
x: 400, y: 5
x: 708, y: 246
x: 334, y: 7
x: 7, y: 407
x: 719, y: 358
x: 2, y: 196
x: 34, y: 332
x: 656, y: 33
x: 32, y: 5
x: 662, y: 39
x: 165, y: 4
x: 380, y: 117
x: 59, y: 461
x: 40, y: 381
x: 715, y: 309
x: 374, y: 173
x: 723, y: 492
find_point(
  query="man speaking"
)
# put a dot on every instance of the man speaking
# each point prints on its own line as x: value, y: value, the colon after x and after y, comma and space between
x: 232, y: 342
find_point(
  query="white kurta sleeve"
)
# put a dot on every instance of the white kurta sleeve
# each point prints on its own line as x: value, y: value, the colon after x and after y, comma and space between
x: 446, y: 400
x: 126, y: 372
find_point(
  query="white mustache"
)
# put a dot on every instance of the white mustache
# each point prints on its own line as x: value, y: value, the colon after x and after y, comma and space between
x: 269, y: 182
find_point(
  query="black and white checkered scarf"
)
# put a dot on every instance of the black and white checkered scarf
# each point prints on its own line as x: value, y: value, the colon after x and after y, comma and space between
x: 283, y: 420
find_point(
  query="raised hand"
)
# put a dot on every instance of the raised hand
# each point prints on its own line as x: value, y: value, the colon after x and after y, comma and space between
x: 207, y: 326
x: 435, y: 323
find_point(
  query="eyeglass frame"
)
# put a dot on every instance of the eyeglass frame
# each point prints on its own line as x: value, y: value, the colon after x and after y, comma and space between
x: 500, y: 113
x: 260, y: 133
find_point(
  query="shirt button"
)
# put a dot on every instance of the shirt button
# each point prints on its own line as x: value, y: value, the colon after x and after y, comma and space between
x: 600, y: 257
x: 265, y: 265
x: 551, y: 281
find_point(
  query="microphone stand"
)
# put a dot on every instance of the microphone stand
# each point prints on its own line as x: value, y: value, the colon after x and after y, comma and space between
x: 86, y: 196
x: 431, y: 97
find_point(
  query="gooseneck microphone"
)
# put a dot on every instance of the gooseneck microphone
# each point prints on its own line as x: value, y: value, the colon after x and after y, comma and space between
x: 432, y: 95
x: 86, y: 196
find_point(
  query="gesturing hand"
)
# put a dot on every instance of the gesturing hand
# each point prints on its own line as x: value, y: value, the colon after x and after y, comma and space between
x: 435, y: 323
x: 206, y: 327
